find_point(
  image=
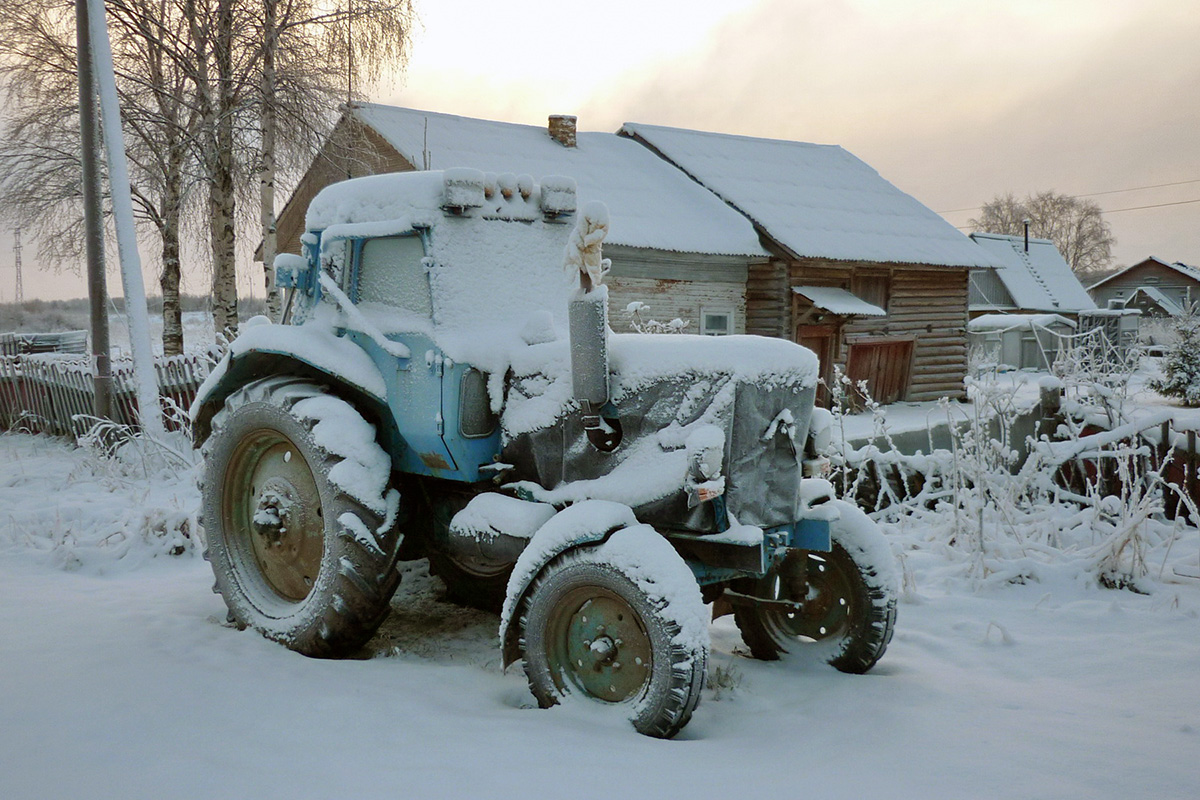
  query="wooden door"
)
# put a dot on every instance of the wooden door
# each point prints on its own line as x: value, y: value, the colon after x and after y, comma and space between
x: 820, y: 339
x: 885, y: 364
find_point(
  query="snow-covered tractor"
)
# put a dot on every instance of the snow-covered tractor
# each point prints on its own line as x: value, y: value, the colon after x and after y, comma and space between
x: 441, y: 387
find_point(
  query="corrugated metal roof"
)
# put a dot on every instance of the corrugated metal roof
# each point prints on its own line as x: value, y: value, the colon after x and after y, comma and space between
x: 816, y: 200
x: 839, y: 301
x: 1040, y: 279
x: 651, y: 204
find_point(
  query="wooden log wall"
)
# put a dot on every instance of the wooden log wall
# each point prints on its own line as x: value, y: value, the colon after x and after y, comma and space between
x: 671, y: 299
x: 769, y: 300
x: 925, y: 303
x: 352, y: 151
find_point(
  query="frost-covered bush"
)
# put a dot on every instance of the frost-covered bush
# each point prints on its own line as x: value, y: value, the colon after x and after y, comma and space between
x: 110, y: 504
x: 639, y: 325
x: 1181, y: 366
x: 1015, y: 507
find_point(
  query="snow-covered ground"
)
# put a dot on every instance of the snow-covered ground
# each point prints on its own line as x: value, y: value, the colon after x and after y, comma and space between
x: 118, y: 679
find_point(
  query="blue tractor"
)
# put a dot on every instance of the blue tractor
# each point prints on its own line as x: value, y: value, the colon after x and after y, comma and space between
x: 441, y: 387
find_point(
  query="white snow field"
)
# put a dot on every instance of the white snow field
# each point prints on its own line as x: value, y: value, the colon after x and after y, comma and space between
x: 118, y: 679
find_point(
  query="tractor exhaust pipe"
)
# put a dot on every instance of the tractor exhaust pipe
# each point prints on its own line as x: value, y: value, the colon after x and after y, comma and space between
x: 587, y: 314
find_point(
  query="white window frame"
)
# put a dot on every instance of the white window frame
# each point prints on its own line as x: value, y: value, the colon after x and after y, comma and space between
x: 706, y: 331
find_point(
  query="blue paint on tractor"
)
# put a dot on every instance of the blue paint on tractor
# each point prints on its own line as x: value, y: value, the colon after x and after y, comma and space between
x: 805, y: 534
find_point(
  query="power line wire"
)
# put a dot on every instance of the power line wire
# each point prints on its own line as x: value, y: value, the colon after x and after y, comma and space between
x: 1119, y: 210
x: 1156, y: 205
x: 1097, y: 194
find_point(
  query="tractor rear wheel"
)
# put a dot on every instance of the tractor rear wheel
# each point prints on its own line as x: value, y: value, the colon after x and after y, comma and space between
x: 298, y: 517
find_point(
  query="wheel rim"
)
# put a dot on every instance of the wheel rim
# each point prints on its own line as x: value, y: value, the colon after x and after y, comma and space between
x: 272, y: 513
x: 598, y: 644
x: 827, y: 607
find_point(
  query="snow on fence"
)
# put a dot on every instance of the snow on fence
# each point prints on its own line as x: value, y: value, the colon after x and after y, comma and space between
x: 15, y: 344
x: 53, y: 393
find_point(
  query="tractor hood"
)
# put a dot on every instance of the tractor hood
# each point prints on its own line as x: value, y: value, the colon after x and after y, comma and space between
x: 676, y: 397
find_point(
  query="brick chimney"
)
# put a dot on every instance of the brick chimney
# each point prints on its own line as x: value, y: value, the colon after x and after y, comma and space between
x: 562, y: 129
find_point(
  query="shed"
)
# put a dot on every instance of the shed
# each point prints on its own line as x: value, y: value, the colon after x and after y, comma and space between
x: 1033, y: 278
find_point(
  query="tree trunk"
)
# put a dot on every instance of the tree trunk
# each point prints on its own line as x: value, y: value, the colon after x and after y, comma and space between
x: 172, y: 335
x: 267, y: 174
x: 221, y: 198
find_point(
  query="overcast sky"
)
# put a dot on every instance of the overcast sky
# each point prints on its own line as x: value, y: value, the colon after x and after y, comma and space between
x: 953, y: 101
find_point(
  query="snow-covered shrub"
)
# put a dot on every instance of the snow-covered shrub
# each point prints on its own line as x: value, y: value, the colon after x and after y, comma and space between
x: 1096, y: 375
x: 116, y: 505
x: 639, y: 325
x: 1014, y: 506
x: 1181, y: 366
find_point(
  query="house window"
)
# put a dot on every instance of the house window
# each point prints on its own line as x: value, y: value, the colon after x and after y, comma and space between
x: 871, y: 288
x: 716, y: 321
x: 1152, y: 279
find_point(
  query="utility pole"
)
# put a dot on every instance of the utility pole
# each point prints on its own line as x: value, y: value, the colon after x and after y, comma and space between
x: 149, y: 408
x: 17, y: 264
x: 93, y: 220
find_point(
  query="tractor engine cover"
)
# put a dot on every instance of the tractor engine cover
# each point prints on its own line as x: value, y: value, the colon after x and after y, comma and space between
x: 677, y: 398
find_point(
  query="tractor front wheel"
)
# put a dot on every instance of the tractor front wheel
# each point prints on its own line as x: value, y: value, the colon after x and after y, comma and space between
x: 587, y: 630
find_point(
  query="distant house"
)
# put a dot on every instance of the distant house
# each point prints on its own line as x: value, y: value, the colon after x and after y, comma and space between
x: 727, y: 233
x: 1154, y: 286
x: 673, y: 245
x: 860, y: 272
x: 1032, y: 278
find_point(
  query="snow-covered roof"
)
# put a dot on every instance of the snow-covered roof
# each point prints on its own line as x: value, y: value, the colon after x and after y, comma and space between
x: 1016, y: 322
x: 1186, y: 270
x: 1038, y: 280
x: 651, y: 204
x: 815, y: 200
x: 1158, y: 298
x: 838, y: 301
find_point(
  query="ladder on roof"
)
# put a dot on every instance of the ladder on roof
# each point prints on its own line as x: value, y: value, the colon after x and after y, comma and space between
x: 1037, y: 276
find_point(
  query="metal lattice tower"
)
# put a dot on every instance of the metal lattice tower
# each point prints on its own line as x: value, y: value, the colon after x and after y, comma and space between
x: 17, y: 264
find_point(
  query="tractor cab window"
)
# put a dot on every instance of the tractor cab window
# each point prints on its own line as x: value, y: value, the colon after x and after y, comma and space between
x: 390, y: 272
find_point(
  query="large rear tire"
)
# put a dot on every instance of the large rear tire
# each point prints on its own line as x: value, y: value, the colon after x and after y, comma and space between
x: 299, y: 520
x: 471, y: 585
x: 588, y: 630
x: 847, y: 611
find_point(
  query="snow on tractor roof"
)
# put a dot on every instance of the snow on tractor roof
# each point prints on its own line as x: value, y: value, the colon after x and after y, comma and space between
x: 383, y: 205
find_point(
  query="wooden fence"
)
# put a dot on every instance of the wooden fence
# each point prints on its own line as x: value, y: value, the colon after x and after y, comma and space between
x: 54, y: 393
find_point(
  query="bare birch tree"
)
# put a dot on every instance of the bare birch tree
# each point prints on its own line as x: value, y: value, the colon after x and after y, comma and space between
x: 208, y: 100
x: 39, y: 155
x: 1077, y: 227
x: 308, y: 49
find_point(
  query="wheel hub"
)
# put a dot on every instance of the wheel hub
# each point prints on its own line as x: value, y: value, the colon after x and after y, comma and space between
x: 273, y: 502
x: 274, y: 514
x: 825, y: 604
x: 608, y: 654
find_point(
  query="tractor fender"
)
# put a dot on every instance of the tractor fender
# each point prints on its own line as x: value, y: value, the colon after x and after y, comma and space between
x: 310, y: 351
x: 584, y: 523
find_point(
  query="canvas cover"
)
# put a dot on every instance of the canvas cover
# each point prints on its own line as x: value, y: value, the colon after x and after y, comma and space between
x: 764, y: 423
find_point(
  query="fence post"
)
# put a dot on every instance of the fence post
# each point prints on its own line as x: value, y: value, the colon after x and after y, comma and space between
x: 1191, y: 464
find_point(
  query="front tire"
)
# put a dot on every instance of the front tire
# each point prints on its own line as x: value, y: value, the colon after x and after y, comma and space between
x: 588, y: 630
x: 847, y: 611
x: 299, y: 520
